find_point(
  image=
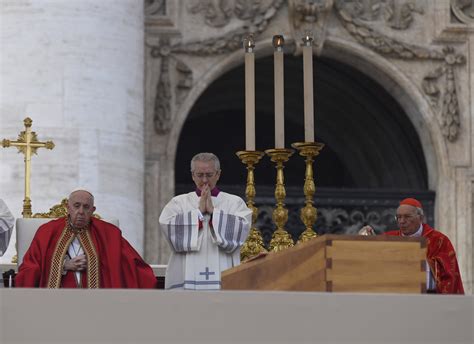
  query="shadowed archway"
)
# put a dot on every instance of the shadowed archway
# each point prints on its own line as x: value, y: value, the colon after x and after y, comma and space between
x: 372, y: 157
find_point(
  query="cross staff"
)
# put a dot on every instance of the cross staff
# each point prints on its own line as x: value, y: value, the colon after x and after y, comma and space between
x: 27, y: 144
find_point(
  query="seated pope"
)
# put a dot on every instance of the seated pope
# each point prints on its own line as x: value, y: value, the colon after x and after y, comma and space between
x: 81, y: 251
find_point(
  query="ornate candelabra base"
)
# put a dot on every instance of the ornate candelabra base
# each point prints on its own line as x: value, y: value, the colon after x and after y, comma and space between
x: 26, y: 208
x: 308, y: 214
x: 281, y: 239
x: 254, y: 243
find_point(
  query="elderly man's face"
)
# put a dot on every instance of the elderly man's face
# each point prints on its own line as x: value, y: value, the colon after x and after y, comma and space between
x: 205, y: 174
x: 80, y: 208
x: 408, y: 219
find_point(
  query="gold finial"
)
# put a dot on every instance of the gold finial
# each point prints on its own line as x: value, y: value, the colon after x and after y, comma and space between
x: 49, y: 145
x: 278, y: 42
x: 249, y: 43
x: 28, y: 122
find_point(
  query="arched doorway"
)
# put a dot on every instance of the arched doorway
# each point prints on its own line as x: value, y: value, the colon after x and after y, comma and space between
x: 373, y: 155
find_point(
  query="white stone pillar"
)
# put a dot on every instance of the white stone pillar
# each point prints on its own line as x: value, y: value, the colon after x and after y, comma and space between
x: 76, y: 68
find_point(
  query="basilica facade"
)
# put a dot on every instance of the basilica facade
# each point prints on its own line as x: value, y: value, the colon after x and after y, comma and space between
x: 130, y: 90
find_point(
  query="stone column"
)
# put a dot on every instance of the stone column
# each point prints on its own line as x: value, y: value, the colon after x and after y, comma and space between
x: 76, y: 68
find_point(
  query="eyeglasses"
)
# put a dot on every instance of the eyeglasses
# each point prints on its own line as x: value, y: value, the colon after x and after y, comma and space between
x: 202, y: 175
x: 404, y: 217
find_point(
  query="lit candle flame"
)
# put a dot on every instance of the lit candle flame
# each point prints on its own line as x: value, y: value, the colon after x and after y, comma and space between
x: 278, y: 42
x: 307, y: 38
x: 248, y: 43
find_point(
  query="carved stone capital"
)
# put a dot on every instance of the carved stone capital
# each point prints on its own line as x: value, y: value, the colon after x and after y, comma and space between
x: 309, y: 17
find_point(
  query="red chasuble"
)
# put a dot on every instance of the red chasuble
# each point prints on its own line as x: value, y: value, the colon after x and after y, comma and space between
x: 442, y: 261
x: 111, y: 260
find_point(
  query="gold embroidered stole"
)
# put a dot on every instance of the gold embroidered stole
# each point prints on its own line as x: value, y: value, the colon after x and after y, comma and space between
x: 60, y: 251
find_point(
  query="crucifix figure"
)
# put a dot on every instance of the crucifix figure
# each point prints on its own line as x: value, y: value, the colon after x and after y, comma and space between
x: 27, y: 144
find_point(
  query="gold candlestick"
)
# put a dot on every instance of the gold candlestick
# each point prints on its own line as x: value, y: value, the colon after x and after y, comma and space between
x: 281, y: 239
x: 254, y: 243
x: 308, y: 214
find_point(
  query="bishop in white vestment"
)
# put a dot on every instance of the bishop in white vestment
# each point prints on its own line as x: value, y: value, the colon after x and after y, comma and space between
x: 205, y: 230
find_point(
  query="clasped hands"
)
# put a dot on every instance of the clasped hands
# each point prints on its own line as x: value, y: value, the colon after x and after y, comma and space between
x: 367, y: 230
x: 78, y: 263
x: 205, y: 202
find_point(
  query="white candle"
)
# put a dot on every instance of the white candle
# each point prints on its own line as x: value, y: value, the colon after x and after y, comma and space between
x: 308, y: 89
x: 279, y: 92
x: 249, y: 94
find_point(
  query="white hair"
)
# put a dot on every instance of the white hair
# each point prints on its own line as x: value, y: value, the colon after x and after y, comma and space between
x: 83, y: 190
x: 206, y: 157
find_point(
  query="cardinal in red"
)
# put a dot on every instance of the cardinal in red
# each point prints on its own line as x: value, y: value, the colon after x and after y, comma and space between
x: 444, y: 276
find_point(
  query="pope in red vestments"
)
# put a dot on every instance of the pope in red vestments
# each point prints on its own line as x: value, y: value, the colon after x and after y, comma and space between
x: 104, y: 258
x: 440, y: 253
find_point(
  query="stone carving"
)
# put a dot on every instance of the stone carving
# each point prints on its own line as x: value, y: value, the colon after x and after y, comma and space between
x: 310, y: 17
x: 155, y: 7
x: 231, y: 41
x: 214, y: 46
x: 163, y: 99
x: 162, y: 108
x: 368, y: 10
x: 185, y: 80
x: 463, y: 10
x: 450, y: 121
x: 245, y: 9
x: 387, y: 46
x: 399, y: 16
x: 217, y: 13
x: 258, y: 16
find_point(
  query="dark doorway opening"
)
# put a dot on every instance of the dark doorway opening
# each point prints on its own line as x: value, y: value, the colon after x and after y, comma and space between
x: 372, y: 158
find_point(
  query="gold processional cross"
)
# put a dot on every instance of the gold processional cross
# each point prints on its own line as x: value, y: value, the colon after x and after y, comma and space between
x: 27, y: 144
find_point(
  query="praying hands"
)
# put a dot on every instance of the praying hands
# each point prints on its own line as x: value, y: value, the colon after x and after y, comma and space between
x: 205, y: 203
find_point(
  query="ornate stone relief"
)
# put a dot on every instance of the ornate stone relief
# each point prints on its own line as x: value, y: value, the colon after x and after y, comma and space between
x: 163, y: 99
x: 355, y: 16
x: 463, y: 10
x: 387, y: 46
x: 397, y: 14
x: 256, y: 16
x: 218, y: 13
x: 310, y: 17
x: 155, y: 7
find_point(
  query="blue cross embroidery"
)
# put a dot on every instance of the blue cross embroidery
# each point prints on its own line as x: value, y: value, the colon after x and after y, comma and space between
x: 207, y: 273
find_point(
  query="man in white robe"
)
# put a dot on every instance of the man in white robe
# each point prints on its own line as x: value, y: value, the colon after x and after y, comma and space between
x: 205, y: 229
x: 7, y: 220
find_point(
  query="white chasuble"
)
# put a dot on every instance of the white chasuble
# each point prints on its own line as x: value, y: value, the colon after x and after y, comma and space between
x: 200, y: 254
